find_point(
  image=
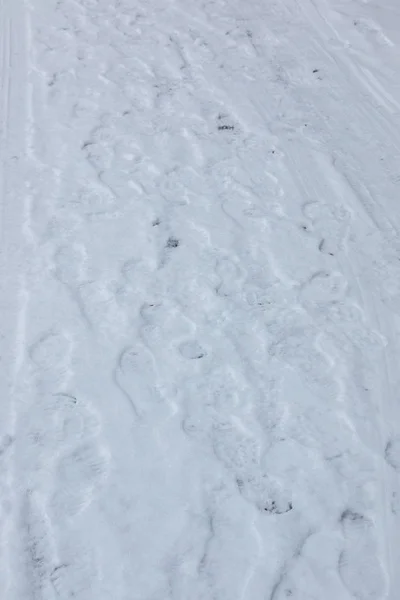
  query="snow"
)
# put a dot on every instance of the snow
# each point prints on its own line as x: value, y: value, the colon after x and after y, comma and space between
x: 199, y: 299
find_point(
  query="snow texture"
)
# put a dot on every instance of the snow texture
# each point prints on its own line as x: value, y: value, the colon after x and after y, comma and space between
x: 199, y: 299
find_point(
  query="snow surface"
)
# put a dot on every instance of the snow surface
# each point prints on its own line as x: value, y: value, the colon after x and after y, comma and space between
x: 200, y: 299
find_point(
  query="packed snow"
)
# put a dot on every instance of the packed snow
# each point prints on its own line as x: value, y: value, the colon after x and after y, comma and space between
x: 200, y: 299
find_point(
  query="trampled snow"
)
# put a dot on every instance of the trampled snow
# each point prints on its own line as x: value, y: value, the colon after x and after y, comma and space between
x: 200, y: 299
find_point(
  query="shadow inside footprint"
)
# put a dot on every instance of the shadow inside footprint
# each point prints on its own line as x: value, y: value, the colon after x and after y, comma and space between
x: 273, y: 509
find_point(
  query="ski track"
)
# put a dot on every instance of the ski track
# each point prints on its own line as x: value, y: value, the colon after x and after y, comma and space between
x: 200, y: 300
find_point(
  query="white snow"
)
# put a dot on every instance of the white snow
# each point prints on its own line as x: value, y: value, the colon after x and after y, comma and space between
x: 200, y: 299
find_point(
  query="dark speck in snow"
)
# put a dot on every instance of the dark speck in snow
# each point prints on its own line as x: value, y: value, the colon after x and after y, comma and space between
x: 172, y: 242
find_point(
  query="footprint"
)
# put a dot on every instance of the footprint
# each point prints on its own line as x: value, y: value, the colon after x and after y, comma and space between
x: 103, y: 134
x: 324, y: 428
x: 96, y: 202
x: 348, y: 323
x: 161, y: 324
x: 51, y: 355
x: 37, y: 440
x: 51, y: 350
x: 330, y: 224
x: 222, y: 390
x: 293, y: 252
x: 77, y: 573
x: 69, y: 264
x: 76, y: 420
x: 184, y: 558
x: 128, y: 295
x: 360, y: 567
x: 270, y: 299
x: 78, y: 475
x: 99, y: 156
x: 135, y: 269
x: 192, y: 350
x: 84, y: 109
x: 196, y: 425
x: 298, y: 349
x: 168, y: 316
x: 298, y: 577
x: 235, y: 447
x: 136, y: 376
x: 52, y: 424
x: 322, y: 288
x: 220, y: 399
x: 129, y: 153
x: 99, y: 308
x: 39, y: 548
x: 265, y: 493
x: 62, y: 226
x: 232, y: 551
x: 230, y: 277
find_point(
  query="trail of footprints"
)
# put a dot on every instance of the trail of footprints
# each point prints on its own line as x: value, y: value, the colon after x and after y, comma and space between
x: 59, y: 448
x: 80, y: 462
x: 65, y: 570
x: 39, y: 548
x: 233, y: 439
x: 61, y: 433
x: 325, y: 305
x: 68, y: 426
x: 82, y: 467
